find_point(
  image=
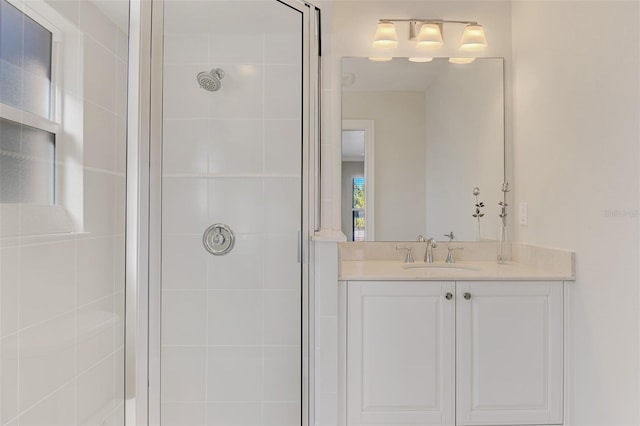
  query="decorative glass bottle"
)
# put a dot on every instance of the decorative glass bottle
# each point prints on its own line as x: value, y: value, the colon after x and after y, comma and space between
x: 504, y: 248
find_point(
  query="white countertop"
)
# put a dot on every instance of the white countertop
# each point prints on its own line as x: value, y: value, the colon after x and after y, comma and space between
x: 378, y: 270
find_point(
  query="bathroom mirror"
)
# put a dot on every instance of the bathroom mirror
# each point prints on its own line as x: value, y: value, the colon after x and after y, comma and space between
x: 417, y: 138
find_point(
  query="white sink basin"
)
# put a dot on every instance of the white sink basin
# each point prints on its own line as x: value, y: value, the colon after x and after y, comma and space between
x: 441, y: 267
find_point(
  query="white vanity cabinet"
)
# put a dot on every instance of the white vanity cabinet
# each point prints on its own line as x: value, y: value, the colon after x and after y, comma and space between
x: 509, y: 353
x: 400, y: 353
x: 445, y: 353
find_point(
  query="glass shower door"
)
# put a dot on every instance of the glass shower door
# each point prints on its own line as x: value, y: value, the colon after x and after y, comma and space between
x: 231, y: 345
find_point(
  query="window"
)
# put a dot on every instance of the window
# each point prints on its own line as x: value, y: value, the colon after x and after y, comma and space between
x: 358, y: 224
x: 27, y: 127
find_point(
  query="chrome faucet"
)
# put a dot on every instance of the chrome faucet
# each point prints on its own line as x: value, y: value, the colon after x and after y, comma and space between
x: 428, y: 254
x: 408, y: 258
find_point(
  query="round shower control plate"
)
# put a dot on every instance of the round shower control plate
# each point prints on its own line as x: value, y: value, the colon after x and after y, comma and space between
x: 218, y: 239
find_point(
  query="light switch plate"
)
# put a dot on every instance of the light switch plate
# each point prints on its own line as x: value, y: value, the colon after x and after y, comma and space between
x: 524, y: 214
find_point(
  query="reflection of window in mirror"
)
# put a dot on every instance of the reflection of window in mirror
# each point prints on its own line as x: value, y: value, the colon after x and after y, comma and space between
x: 358, y: 202
x: 357, y: 180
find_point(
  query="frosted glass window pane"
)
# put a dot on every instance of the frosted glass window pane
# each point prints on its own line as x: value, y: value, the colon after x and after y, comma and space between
x: 25, y: 61
x: 26, y: 164
x: 11, y: 22
x: 10, y: 84
x: 37, y: 49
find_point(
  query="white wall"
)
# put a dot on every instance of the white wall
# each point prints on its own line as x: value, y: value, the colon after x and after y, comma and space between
x: 399, y: 159
x: 576, y: 108
x: 62, y: 295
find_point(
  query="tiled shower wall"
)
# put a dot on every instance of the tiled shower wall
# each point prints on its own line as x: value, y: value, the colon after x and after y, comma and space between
x: 62, y: 295
x: 231, y: 324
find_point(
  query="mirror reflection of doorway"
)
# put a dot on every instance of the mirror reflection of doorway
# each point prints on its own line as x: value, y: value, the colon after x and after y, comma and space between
x: 357, y: 180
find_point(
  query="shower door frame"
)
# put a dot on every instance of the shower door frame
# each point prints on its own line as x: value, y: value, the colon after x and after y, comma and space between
x: 144, y: 200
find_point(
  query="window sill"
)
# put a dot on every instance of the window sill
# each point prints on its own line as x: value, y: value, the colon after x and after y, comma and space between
x: 18, y: 220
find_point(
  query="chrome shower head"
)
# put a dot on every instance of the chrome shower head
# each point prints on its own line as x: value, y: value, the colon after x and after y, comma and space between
x: 210, y: 80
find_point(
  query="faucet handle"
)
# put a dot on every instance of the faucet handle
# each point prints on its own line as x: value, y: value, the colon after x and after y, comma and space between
x: 450, y: 258
x: 408, y: 258
x: 450, y: 236
x: 421, y: 239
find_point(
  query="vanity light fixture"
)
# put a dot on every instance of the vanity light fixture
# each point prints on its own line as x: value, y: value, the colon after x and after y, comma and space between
x: 428, y: 34
x: 473, y: 38
x: 386, y: 36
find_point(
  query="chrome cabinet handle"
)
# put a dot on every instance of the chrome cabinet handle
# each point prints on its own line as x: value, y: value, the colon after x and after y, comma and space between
x: 467, y: 296
x: 448, y: 296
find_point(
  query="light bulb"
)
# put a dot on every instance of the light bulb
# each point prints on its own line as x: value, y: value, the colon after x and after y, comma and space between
x: 386, y: 36
x: 430, y: 36
x: 473, y: 38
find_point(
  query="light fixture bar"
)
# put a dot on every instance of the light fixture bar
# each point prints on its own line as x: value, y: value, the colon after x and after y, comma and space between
x: 427, y: 32
x: 431, y: 21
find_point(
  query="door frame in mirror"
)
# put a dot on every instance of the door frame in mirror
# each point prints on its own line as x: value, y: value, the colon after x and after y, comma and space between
x: 368, y: 127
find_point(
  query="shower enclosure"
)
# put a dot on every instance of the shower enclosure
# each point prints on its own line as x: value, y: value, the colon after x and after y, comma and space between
x: 157, y: 185
x: 227, y: 163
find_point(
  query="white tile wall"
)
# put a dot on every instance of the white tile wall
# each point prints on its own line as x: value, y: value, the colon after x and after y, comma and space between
x: 234, y: 374
x: 183, y: 413
x: 281, y: 381
x: 99, y: 132
x: 185, y: 317
x: 281, y: 414
x: 58, y: 409
x: 185, y: 263
x: 231, y: 156
x: 61, y: 296
x: 95, y: 273
x: 282, y: 313
x: 183, y: 98
x: 184, y: 209
x: 96, y: 325
x: 183, y: 374
x: 10, y: 378
x: 235, y: 146
x: 238, y: 202
x: 235, y: 317
x: 95, y: 390
x: 185, y: 142
x: 99, y: 74
x: 280, y: 102
x: 326, y: 333
x: 9, y: 291
x: 46, y: 356
x: 99, y: 201
x: 281, y: 154
x: 234, y: 413
x: 242, y: 269
x: 47, y: 281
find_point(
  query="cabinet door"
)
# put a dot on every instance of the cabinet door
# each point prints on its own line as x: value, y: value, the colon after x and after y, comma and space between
x: 400, y: 353
x: 509, y: 353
